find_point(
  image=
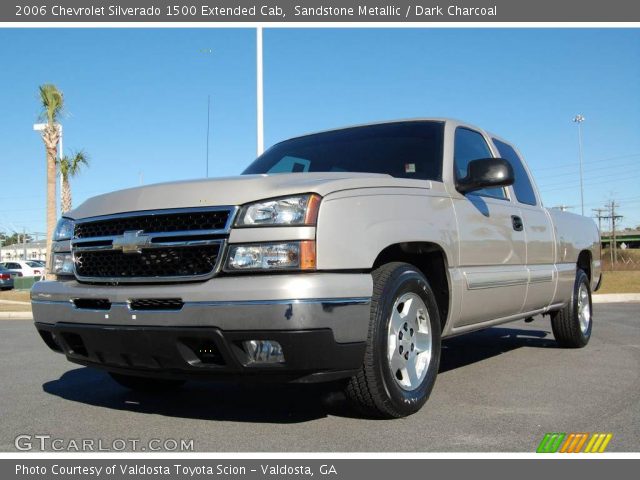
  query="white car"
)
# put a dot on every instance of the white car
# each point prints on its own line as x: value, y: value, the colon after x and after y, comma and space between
x: 28, y: 268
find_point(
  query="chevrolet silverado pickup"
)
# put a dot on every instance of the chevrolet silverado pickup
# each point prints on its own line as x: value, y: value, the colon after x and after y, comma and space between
x: 345, y: 255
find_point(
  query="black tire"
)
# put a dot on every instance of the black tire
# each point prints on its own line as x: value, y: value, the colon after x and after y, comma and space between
x: 565, y: 323
x: 146, y: 384
x: 374, y: 389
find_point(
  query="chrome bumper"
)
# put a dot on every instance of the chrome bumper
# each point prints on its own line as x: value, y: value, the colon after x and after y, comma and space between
x: 339, y: 302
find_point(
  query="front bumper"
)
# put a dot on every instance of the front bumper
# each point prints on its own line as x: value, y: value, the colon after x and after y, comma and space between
x: 322, y: 326
x: 169, y: 352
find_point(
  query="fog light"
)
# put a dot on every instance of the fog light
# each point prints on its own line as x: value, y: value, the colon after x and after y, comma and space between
x: 263, y: 351
x: 62, y: 264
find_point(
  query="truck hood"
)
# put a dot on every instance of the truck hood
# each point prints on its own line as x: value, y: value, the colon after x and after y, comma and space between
x: 231, y: 191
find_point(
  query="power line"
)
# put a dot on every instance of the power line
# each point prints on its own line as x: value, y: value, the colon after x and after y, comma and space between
x: 590, y: 162
x: 589, y: 170
x: 594, y: 181
x: 612, y: 175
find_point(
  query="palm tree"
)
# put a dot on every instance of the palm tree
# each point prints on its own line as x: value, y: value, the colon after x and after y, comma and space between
x: 52, y: 102
x: 69, y: 168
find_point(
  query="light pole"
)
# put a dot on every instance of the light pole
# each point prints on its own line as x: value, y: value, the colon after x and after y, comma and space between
x: 259, y: 92
x: 579, y: 119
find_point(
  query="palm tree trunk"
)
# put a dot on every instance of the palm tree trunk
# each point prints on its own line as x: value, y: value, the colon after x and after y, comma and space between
x: 50, y: 136
x: 66, y: 195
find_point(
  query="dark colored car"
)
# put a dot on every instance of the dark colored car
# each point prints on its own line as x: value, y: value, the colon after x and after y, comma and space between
x: 6, y: 279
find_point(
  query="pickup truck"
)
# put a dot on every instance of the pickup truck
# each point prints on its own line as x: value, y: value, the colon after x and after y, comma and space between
x: 343, y: 256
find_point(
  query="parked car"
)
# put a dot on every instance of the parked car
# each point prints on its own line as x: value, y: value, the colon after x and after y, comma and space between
x: 28, y: 268
x: 343, y: 255
x: 6, y: 278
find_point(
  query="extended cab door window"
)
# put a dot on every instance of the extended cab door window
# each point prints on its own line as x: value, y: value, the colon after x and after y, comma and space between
x: 522, y: 186
x: 470, y: 145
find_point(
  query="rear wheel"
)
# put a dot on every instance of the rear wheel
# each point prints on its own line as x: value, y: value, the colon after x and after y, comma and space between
x: 572, y: 325
x: 145, y: 384
x: 403, y: 348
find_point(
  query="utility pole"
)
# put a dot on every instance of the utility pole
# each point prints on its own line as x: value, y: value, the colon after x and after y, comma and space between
x: 614, y: 217
x: 563, y: 208
x: 613, y: 247
x: 598, y: 215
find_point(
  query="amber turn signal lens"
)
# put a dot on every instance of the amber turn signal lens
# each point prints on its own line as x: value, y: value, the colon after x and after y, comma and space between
x: 313, y: 205
x: 307, y: 255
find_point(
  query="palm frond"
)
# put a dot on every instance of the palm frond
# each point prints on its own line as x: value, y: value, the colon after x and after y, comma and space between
x: 70, y: 166
x: 52, y: 102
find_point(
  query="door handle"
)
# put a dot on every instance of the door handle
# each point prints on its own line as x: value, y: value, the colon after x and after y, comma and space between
x: 516, y: 221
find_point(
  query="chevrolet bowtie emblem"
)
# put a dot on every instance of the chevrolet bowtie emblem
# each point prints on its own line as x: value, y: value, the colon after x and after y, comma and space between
x: 131, y: 242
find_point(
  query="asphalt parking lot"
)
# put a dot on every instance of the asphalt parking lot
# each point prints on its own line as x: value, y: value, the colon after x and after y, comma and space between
x: 498, y: 390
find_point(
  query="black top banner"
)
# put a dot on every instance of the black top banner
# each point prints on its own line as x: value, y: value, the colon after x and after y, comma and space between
x: 226, y: 11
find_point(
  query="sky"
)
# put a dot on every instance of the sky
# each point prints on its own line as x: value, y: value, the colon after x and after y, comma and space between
x: 136, y: 101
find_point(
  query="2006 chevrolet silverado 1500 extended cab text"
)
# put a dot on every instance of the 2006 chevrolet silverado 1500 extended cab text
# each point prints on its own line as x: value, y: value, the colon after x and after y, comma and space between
x: 342, y: 255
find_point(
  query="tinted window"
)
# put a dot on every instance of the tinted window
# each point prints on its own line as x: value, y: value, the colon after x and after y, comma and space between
x: 401, y: 149
x: 522, y: 184
x: 471, y: 145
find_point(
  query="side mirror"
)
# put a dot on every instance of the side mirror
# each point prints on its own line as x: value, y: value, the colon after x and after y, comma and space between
x: 486, y: 173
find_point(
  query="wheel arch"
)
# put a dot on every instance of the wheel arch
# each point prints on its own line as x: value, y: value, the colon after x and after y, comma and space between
x: 584, y: 263
x: 431, y: 259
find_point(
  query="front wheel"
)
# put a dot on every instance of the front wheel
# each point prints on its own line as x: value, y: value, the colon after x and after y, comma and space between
x: 403, y: 347
x: 572, y: 324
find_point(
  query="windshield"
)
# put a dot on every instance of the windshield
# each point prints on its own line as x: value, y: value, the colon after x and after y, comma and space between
x: 400, y: 149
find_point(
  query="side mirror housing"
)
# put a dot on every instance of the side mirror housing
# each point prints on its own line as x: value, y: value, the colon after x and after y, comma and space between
x: 486, y: 173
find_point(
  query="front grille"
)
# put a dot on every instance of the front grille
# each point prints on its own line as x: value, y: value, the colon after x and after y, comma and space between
x: 186, y: 221
x: 156, y: 262
x: 151, y: 246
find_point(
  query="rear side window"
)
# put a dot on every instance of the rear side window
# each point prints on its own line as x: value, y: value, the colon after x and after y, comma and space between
x: 470, y: 145
x: 522, y: 184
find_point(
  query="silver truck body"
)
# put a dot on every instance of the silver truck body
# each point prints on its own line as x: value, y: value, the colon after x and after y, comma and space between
x: 484, y: 271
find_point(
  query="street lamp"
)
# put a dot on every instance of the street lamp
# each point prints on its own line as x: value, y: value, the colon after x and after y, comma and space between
x: 259, y: 92
x: 579, y: 119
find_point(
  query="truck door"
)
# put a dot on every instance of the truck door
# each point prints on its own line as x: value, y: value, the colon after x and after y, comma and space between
x: 538, y: 230
x: 491, y: 241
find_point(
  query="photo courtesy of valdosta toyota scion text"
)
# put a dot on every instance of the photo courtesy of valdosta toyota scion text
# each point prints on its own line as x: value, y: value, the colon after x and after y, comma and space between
x: 239, y: 235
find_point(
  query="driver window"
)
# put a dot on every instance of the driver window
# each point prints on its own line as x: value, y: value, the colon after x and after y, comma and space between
x: 471, y: 145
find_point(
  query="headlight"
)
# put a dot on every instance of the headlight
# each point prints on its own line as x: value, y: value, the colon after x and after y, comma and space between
x: 272, y: 256
x: 62, y: 264
x: 64, y: 229
x: 295, y: 210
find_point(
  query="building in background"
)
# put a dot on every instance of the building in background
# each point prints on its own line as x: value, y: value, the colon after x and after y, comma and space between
x: 36, y: 250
